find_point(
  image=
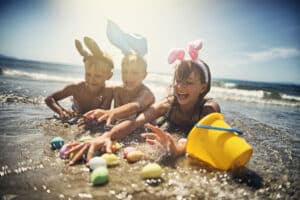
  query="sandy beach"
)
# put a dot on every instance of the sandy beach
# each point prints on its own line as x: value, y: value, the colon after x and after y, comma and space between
x: 29, y: 169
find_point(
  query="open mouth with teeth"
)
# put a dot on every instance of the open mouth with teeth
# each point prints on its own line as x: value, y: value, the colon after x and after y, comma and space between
x: 182, y: 96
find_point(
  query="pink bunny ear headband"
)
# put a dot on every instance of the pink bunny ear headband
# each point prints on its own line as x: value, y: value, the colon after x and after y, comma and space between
x: 193, y: 51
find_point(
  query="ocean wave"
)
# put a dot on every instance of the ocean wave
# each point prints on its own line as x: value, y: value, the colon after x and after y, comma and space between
x: 254, y: 96
x: 16, y: 99
x: 40, y: 76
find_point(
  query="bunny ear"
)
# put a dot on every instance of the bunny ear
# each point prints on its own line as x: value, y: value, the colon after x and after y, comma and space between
x: 127, y: 42
x: 194, y: 47
x: 196, y: 44
x: 175, y: 54
x: 80, y: 49
x: 93, y: 47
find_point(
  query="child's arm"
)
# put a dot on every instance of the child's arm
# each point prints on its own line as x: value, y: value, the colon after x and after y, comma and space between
x: 143, y: 101
x: 117, y: 132
x: 52, y: 100
x: 209, y: 107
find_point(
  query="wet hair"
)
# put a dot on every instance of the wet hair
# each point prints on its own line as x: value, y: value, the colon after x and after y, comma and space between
x: 184, y: 68
x: 134, y: 58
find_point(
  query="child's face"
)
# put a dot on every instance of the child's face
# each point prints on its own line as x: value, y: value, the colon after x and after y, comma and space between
x: 95, y: 76
x: 187, y: 91
x: 133, y: 75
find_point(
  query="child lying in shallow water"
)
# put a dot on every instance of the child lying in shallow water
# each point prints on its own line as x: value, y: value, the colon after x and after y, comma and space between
x: 91, y: 93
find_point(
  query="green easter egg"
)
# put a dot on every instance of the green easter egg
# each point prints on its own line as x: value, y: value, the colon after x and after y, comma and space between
x: 85, y: 138
x: 99, y: 176
x: 151, y: 170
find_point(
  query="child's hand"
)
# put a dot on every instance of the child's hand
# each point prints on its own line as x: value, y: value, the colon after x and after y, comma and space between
x: 161, y: 139
x: 102, y: 142
x: 94, y: 114
x: 66, y: 115
x: 109, y: 117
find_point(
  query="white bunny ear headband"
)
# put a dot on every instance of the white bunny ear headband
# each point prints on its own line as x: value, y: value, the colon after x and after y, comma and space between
x: 193, y: 49
x: 127, y: 42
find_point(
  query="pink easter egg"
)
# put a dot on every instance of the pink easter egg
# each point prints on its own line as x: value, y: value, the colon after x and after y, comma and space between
x: 62, y: 152
x: 127, y: 150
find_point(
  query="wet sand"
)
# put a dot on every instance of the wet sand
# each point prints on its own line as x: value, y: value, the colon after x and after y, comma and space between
x: 29, y: 169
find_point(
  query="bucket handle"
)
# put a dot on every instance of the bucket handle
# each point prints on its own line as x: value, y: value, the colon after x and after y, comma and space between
x: 219, y: 128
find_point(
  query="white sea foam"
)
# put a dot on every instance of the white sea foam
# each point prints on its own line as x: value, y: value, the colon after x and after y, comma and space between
x: 40, y: 76
x: 252, y: 96
x: 159, y: 84
x: 230, y: 85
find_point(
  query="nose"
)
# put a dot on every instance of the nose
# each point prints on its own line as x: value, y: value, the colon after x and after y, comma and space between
x: 180, y: 85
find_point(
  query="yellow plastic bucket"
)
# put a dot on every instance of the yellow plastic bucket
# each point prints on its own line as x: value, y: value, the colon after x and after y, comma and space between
x: 221, y: 149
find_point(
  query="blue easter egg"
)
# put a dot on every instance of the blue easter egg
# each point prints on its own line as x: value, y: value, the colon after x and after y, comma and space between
x: 57, y: 143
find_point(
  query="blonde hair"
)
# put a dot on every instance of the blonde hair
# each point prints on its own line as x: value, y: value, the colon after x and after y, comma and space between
x: 134, y: 58
x: 99, y: 60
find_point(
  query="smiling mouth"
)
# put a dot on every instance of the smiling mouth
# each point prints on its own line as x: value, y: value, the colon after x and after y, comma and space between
x: 182, y: 97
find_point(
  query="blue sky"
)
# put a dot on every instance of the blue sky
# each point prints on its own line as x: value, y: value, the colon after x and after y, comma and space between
x: 255, y: 40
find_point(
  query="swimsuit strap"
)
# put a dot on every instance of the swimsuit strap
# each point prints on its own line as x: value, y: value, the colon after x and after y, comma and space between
x: 166, y: 116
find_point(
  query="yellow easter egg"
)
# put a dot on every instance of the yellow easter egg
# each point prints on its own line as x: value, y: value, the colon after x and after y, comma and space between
x: 151, y: 170
x: 111, y: 159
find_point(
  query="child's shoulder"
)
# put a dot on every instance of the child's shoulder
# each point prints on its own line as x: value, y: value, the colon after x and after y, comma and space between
x: 211, y: 105
x: 75, y: 86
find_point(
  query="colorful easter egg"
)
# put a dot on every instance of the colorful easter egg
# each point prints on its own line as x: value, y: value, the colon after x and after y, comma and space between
x: 85, y: 138
x: 115, y: 146
x: 182, y: 141
x: 57, y: 143
x: 111, y: 159
x: 151, y: 170
x: 135, y: 156
x: 99, y: 176
x: 127, y: 150
x: 62, y: 152
x: 96, y: 162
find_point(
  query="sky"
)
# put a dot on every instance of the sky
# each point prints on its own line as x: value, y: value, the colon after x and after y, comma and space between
x: 257, y: 40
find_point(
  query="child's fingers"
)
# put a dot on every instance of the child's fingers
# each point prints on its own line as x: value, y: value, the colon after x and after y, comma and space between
x: 108, y: 121
x: 151, y: 141
x: 89, y: 114
x: 75, y: 148
x: 108, y: 146
x: 149, y: 135
x: 155, y: 142
x: 91, y: 152
x: 71, y: 145
x: 153, y: 128
x: 157, y: 131
x: 102, y: 118
x: 79, y: 154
